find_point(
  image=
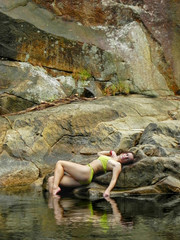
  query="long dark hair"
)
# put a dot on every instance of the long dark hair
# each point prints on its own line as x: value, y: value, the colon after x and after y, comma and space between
x: 127, y: 161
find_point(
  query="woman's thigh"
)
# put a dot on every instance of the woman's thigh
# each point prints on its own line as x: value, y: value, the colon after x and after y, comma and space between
x: 77, y: 171
x: 68, y: 181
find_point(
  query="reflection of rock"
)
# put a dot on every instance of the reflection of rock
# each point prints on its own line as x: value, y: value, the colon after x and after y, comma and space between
x: 156, y: 206
x: 104, y: 47
x: 160, y: 213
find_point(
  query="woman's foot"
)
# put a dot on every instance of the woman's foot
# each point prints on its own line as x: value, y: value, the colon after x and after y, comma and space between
x: 56, y: 191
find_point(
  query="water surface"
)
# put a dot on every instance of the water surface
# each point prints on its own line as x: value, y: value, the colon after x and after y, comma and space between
x: 32, y: 215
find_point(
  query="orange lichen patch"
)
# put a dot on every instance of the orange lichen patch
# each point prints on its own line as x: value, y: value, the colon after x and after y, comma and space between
x: 173, y: 86
x: 87, y: 12
x: 169, y: 76
x: 55, y: 54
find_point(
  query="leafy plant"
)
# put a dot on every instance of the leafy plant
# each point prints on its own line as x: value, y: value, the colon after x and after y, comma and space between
x: 81, y: 75
x: 121, y: 87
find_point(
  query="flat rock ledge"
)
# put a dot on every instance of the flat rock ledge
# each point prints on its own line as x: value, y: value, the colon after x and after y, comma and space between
x: 168, y: 185
x: 94, y: 191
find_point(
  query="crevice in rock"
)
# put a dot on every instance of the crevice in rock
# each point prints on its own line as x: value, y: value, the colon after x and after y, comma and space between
x: 12, y: 103
x: 40, y: 172
x: 8, y: 120
x: 67, y: 135
x: 159, y: 180
x: 12, y: 94
x: 44, y: 105
x: 56, y: 69
x: 134, y: 109
x: 87, y: 93
x: 4, y: 59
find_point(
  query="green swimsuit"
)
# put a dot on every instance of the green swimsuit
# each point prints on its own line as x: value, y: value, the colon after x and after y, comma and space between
x: 104, y: 159
x: 91, y: 177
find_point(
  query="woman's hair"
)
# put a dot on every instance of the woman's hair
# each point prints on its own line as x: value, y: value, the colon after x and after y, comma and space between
x: 128, y: 161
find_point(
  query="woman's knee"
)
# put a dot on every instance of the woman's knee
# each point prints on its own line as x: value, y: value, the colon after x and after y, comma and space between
x: 59, y: 164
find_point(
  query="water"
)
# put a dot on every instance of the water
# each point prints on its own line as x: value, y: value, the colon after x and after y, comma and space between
x: 32, y: 215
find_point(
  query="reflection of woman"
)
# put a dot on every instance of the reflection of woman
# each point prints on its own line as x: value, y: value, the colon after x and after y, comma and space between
x: 78, y: 174
x: 87, y: 213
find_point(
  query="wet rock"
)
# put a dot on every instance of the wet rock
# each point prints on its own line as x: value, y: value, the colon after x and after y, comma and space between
x: 168, y: 185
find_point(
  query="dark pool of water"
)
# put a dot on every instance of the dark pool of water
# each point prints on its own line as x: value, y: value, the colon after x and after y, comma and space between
x: 32, y: 215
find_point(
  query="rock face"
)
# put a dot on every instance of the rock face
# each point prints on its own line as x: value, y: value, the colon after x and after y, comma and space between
x: 92, y: 48
x: 34, y: 141
x: 158, y: 17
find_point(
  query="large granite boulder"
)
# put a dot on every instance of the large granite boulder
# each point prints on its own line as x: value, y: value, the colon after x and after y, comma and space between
x: 160, y: 18
x: 75, y: 132
x: 110, y: 50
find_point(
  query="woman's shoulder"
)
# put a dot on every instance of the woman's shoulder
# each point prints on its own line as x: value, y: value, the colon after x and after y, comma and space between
x: 113, y: 162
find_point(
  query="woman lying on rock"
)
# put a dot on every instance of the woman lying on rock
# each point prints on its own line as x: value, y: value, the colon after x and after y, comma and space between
x: 77, y: 174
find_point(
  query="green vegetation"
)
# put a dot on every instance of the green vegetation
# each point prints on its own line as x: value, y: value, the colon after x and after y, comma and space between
x: 52, y: 99
x: 82, y: 75
x: 120, y: 87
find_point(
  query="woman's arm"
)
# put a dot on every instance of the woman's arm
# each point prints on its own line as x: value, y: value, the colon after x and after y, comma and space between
x: 115, y: 174
x: 116, y: 213
x: 107, y: 153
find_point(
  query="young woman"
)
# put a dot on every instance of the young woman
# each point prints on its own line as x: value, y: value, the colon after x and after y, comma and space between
x: 77, y: 174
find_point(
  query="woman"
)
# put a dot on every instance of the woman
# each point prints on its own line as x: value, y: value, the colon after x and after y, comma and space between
x: 77, y: 174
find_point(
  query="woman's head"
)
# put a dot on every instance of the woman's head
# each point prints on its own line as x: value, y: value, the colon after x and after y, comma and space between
x: 126, y: 158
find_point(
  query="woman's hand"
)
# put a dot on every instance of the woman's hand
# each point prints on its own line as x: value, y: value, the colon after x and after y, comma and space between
x: 106, y: 193
x: 113, y: 154
x: 107, y: 153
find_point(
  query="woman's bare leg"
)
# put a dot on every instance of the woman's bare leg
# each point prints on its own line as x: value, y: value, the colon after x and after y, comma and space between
x: 66, y: 181
x: 58, y: 174
x: 76, y: 171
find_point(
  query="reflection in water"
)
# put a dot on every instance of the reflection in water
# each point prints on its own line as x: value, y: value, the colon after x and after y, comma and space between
x: 88, y: 213
x: 32, y: 215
